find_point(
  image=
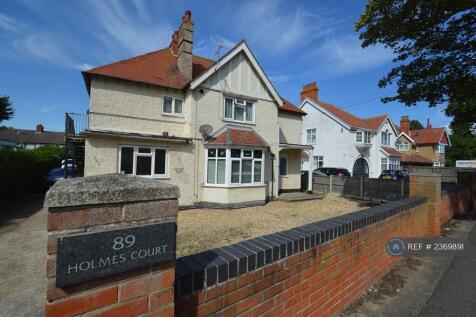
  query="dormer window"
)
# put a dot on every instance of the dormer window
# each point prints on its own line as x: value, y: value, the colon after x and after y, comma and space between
x: 239, y: 110
x: 402, y: 146
x: 363, y: 137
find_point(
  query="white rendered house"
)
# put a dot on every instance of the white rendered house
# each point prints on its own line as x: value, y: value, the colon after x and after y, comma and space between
x: 365, y: 147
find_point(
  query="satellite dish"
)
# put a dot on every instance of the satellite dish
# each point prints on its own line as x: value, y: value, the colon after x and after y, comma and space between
x: 206, y: 131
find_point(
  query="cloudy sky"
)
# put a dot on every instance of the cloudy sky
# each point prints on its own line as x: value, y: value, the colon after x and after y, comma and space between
x: 44, y: 45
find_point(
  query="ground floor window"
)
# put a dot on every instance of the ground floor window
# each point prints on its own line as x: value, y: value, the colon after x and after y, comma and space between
x: 283, y: 166
x: 318, y: 162
x: 234, y: 166
x: 437, y: 164
x: 390, y: 164
x: 143, y: 161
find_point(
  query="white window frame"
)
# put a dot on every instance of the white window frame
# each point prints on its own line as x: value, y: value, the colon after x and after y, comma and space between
x: 318, y: 162
x: 228, y: 163
x: 134, y: 160
x: 390, y: 163
x: 311, y: 136
x: 385, y: 138
x: 439, y: 148
x: 287, y: 166
x: 236, y: 103
x: 174, y: 112
x: 402, y: 146
x: 436, y: 164
x: 364, y: 136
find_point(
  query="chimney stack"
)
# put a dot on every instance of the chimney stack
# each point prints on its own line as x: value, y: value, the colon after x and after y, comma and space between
x: 405, y: 125
x: 185, y: 42
x: 39, y: 128
x: 428, y: 123
x: 309, y: 91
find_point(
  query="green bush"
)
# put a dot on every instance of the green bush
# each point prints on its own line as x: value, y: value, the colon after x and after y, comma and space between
x: 23, y: 171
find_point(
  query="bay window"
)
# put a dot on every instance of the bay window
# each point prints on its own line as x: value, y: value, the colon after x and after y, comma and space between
x: 239, y: 110
x: 172, y: 106
x: 143, y: 161
x: 363, y: 137
x: 244, y: 166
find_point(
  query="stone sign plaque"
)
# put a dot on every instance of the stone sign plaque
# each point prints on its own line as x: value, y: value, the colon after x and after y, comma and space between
x: 88, y: 256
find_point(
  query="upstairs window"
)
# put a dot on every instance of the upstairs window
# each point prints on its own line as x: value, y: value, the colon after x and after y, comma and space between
x: 143, y: 161
x: 363, y: 136
x: 172, y: 106
x: 385, y: 138
x: 239, y: 110
x: 439, y: 148
x: 402, y: 146
x: 311, y: 136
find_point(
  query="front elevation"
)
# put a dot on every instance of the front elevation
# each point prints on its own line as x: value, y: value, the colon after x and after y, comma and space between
x: 365, y: 147
x: 216, y: 129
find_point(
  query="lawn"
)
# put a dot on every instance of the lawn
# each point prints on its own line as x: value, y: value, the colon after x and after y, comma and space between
x: 203, y: 229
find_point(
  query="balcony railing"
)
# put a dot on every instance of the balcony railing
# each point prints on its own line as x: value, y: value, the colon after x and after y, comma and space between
x: 76, y: 124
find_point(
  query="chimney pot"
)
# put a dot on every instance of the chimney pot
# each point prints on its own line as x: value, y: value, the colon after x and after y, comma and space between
x: 310, y: 91
x: 428, y: 123
x: 187, y: 16
x: 40, y: 128
x: 405, y: 125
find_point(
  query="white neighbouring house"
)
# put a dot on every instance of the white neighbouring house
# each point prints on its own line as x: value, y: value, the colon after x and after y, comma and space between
x: 365, y: 147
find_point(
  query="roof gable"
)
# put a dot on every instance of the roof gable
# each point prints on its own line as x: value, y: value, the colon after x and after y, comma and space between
x: 241, y: 47
x: 405, y: 136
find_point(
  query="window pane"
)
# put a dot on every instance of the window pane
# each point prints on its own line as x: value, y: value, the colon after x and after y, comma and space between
x: 246, y: 171
x: 127, y: 158
x: 359, y: 137
x: 235, y: 171
x: 235, y: 153
x: 221, y: 153
x: 258, y: 154
x: 283, y: 166
x: 239, y: 113
x: 212, y: 152
x: 143, y: 165
x: 144, y: 150
x: 160, y: 161
x: 247, y: 153
x: 228, y: 108
x: 249, y: 111
x: 257, y: 172
x: 221, y: 166
x: 211, y: 171
x: 167, y: 104
x: 178, y: 106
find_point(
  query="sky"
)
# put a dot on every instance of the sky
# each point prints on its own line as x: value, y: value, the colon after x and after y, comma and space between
x: 45, y: 44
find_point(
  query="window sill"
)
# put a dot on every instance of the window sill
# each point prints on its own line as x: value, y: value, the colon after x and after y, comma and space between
x: 232, y: 186
x: 240, y: 122
x: 173, y: 115
x: 149, y: 176
x: 284, y: 176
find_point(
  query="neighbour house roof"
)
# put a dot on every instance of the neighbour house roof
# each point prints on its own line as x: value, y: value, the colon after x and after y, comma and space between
x: 155, y: 68
x: 234, y: 135
x: 415, y: 159
x: 23, y: 136
x: 430, y: 136
x: 391, y: 151
x: 287, y: 106
x: 353, y: 121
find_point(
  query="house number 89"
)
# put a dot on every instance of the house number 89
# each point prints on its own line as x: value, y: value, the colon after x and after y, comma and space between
x: 120, y: 242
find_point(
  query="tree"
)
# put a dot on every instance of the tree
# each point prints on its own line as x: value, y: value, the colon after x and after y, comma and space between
x: 415, y: 125
x: 6, y: 110
x: 463, y: 137
x: 434, y: 45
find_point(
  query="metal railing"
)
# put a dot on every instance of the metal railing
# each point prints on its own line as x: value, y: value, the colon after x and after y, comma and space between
x: 76, y: 123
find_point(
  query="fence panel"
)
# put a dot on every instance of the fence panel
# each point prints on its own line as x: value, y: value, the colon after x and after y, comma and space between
x: 321, y: 184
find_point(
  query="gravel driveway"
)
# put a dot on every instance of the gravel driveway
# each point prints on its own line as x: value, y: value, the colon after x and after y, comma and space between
x: 23, y: 258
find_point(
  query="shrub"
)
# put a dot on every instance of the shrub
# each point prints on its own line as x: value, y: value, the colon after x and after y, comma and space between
x: 23, y: 171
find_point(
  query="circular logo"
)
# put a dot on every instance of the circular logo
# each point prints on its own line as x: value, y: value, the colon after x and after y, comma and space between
x: 395, y: 247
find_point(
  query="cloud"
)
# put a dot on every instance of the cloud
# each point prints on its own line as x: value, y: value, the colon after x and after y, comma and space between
x: 7, y: 23
x: 344, y: 55
x: 214, y: 46
x: 279, y: 78
x: 84, y: 67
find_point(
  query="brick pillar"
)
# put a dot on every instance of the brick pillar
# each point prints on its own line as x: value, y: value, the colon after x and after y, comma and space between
x: 139, y: 282
x: 429, y: 185
x: 468, y: 178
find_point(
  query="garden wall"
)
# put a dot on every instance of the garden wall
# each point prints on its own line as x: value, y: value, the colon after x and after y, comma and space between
x: 455, y: 200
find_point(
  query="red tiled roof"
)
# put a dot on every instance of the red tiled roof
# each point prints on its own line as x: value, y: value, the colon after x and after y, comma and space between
x: 353, y: 121
x: 429, y: 136
x: 155, y: 68
x: 415, y: 159
x: 391, y: 151
x: 287, y: 106
x: 238, y: 136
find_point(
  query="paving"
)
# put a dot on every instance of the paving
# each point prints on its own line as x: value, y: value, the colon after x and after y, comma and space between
x: 298, y: 196
x: 23, y: 261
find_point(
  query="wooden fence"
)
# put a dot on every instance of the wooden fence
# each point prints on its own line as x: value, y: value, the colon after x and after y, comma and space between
x: 363, y: 188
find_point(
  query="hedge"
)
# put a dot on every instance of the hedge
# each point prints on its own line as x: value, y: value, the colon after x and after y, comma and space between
x: 23, y: 171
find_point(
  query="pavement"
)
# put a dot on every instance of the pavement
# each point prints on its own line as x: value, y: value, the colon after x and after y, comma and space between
x: 23, y: 258
x: 427, y: 286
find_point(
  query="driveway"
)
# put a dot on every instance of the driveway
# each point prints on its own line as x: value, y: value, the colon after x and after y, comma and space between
x: 23, y: 258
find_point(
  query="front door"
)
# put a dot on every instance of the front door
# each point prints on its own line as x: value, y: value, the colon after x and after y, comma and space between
x: 361, y: 168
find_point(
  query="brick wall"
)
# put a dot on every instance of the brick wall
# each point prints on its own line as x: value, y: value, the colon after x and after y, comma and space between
x: 455, y: 200
x: 316, y: 270
x: 148, y: 291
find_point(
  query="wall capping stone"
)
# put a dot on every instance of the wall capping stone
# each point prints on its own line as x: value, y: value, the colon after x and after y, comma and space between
x: 108, y: 189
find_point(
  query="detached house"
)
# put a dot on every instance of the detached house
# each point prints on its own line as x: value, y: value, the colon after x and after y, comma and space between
x: 364, y: 146
x: 217, y: 129
x: 422, y: 146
